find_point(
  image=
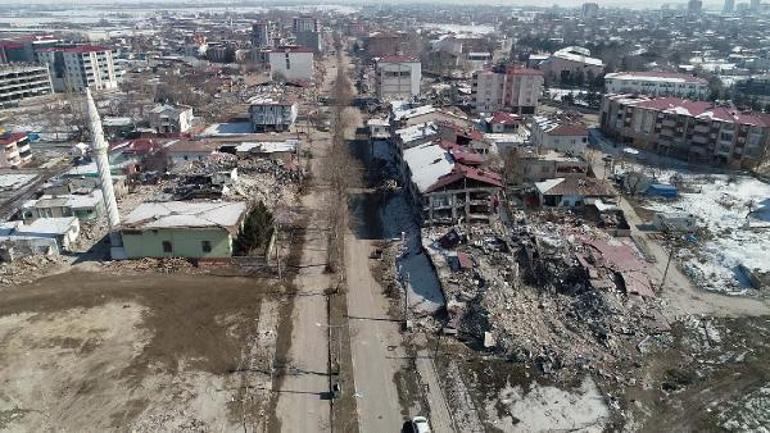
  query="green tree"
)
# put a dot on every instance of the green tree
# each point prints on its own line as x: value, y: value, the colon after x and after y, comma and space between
x: 256, y: 232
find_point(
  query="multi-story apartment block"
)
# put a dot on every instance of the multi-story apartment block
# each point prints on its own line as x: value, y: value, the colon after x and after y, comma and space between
x: 292, y: 63
x: 22, y: 49
x: 268, y: 114
x: 75, y: 68
x: 589, y: 10
x: 305, y: 24
x: 657, y: 84
x: 260, y: 34
x: 14, y: 150
x: 572, y: 62
x: 698, y: 131
x: 23, y: 81
x: 398, y: 77
x: 514, y: 89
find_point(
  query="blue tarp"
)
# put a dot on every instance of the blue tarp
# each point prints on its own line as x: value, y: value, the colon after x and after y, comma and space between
x: 662, y: 190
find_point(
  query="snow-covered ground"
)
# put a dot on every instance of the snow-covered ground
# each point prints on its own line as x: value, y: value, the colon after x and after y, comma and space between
x: 737, y: 237
x: 719, y: 202
x: 479, y: 29
x: 397, y: 217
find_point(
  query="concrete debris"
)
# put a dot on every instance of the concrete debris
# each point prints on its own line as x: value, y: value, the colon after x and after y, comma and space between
x: 28, y: 268
x: 547, y: 289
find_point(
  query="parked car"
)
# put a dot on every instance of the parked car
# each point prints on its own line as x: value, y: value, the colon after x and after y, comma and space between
x: 420, y: 425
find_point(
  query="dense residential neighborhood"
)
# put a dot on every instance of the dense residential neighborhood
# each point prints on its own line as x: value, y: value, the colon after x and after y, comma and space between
x: 385, y: 217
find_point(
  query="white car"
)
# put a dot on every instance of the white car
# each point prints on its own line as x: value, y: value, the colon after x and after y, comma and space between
x: 420, y: 425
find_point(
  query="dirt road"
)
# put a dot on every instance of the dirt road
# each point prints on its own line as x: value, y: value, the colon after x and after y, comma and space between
x: 376, y: 343
x: 303, y: 405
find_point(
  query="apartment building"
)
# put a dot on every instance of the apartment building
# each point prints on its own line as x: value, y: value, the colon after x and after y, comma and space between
x: 268, y: 114
x: 398, y: 77
x: 572, y: 62
x: 307, y: 33
x: 77, y: 67
x: 292, y: 63
x: 657, y: 84
x: 514, y: 89
x: 19, y: 82
x: 261, y: 36
x: 698, y: 131
x: 14, y: 150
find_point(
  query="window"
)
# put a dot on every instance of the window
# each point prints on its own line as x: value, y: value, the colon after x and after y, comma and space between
x: 206, y: 246
x: 167, y: 247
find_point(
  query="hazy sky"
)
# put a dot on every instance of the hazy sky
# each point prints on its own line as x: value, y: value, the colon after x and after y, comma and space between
x: 567, y: 3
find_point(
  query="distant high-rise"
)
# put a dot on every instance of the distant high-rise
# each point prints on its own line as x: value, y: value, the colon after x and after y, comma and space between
x: 694, y: 7
x: 307, y: 33
x: 305, y: 24
x: 729, y: 6
x: 590, y: 10
x: 755, y: 5
x: 260, y: 34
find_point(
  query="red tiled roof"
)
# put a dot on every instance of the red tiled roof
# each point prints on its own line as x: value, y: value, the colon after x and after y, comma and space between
x: 660, y: 74
x: 12, y: 138
x: 513, y: 70
x: 78, y: 49
x: 569, y: 130
x: 504, y: 118
x: 460, y: 171
x: 467, y: 157
x: 704, y: 110
x: 291, y: 49
x: 10, y: 45
x: 398, y: 59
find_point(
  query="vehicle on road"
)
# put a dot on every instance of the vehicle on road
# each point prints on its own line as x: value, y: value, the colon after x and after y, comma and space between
x: 420, y: 425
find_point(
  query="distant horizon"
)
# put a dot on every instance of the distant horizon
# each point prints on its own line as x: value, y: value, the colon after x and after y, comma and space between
x: 653, y: 4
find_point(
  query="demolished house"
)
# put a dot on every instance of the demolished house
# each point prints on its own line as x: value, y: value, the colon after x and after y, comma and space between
x: 183, y: 229
x: 209, y: 178
x: 43, y: 236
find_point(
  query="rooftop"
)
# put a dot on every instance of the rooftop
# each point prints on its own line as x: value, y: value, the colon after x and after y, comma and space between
x: 428, y: 163
x: 704, y: 110
x: 186, y: 214
x: 652, y: 76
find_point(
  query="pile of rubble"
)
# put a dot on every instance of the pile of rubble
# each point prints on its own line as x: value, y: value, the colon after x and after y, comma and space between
x: 29, y: 268
x: 268, y: 181
x: 555, y: 293
x: 166, y: 265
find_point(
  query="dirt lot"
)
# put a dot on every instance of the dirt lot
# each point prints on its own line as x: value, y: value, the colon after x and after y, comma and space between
x: 100, y: 352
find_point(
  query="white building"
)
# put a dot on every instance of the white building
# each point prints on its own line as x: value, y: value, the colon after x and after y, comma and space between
x: 657, y: 84
x: 268, y: 114
x: 292, y: 63
x: 78, y: 67
x: 561, y: 135
x: 398, y: 77
x: 20, y: 82
x: 167, y: 119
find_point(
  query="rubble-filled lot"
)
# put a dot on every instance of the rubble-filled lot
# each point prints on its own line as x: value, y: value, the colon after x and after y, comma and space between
x: 105, y: 352
x: 556, y: 331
